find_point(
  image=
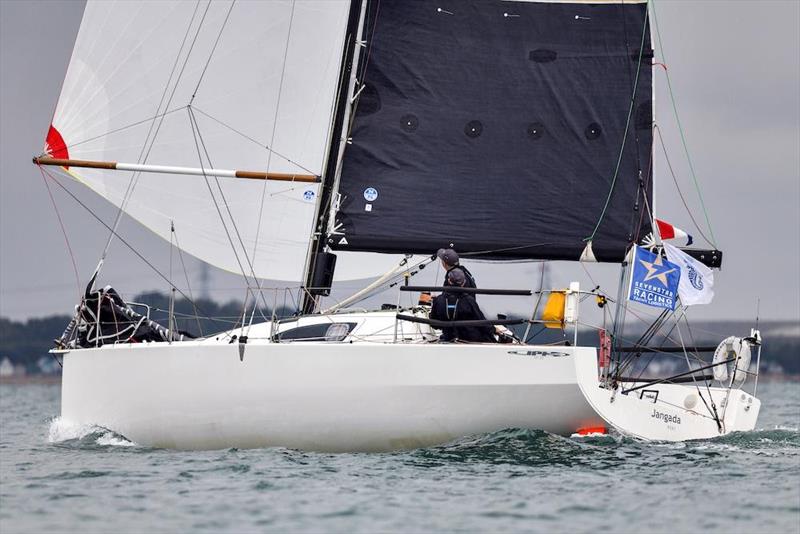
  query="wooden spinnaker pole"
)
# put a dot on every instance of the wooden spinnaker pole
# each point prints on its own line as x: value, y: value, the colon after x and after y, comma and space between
x: 194, y: 171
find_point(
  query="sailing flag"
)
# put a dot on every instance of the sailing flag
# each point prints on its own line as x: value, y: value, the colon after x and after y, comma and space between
x: 697, y: 281
x: 654, y: 280
x: 667, y: 231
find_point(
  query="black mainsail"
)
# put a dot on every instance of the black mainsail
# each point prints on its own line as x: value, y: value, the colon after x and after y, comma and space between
x: 501, y: 126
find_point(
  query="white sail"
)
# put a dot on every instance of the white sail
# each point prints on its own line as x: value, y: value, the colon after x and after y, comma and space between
x: 254, y: 74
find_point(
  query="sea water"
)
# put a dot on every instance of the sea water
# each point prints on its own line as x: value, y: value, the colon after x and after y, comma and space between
x: 55, y: 478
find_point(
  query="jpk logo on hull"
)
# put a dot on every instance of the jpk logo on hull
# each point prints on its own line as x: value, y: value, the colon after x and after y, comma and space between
x: 654, y: 280
x: 538, y: 353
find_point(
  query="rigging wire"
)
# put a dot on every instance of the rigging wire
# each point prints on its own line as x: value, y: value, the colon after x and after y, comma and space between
x: 196, y: 134
x: 186, y: 276
x: 343, y: 112
x: 713, y: 408
x: 269, y: 154
x: 256, y: 141
x: 625, y: 134
x: 122, y: 240
x: 388, y: 283
x: 63, y: 231
x: 638, y: 314
x: 117, y: 130
x: 470, y: 255
x: 653, y: 355
x: 274, y: 128
x: 647, y: 209
x: 361, y: 77
x: 635, y: 130
x: 678, y: 187
x: 643, y: 341
x: 170, y: 318
x: 644, y: 187
x: 371, y: 39
x: 680, y: 127
x: 145, y: 152
x: 213, y: 49
x: 216, y: 204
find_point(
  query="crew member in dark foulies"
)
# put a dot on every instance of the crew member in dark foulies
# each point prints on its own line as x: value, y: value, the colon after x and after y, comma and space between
x: 450, y: 262
x: 452, y: 306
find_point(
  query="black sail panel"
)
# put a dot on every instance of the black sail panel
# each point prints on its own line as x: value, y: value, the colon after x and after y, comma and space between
x: 497, y: 126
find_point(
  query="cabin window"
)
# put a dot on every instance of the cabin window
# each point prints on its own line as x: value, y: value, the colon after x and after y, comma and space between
x: 317, y: 332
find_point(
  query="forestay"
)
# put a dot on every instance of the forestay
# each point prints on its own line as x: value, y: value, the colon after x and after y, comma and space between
x: 497, y: 126
x: 254, y: 74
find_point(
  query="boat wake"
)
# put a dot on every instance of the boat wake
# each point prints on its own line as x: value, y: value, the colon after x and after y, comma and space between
x: 780, y: 437
x: 519, y: 447
x: 510, y: 446
x: 67, y: 433
x: 515, y: 447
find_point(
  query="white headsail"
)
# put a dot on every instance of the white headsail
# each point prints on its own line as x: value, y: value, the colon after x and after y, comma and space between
x: 207, y: 85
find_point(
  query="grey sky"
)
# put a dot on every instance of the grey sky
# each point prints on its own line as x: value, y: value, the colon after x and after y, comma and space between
x: 736, y: 75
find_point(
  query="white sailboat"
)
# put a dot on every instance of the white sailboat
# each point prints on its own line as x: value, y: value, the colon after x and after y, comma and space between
x: 262, y: 136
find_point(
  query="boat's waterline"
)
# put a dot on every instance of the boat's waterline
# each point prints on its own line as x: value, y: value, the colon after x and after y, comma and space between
x: 322, y: 396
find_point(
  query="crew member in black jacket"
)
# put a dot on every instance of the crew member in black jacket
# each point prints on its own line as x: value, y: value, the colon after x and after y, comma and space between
x: 452, y: 306
x: 450, y: 262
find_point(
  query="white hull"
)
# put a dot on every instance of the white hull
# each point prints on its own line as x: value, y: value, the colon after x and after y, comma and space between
x: 322, y: 396
x: 668, y: 412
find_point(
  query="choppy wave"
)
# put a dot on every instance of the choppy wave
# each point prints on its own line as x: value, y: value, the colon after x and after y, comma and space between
x: 519, y: 447
x: 509, y: 446
x: 516, y: 447
x: 59, y: 476
x: 68, y: 433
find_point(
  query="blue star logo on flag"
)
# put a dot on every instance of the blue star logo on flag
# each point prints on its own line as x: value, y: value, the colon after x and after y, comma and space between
x: 654, y: 280
x: 657, y: 270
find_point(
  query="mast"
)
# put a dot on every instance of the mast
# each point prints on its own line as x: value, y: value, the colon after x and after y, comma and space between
x: 317, y: 260
x: 653, y: 213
